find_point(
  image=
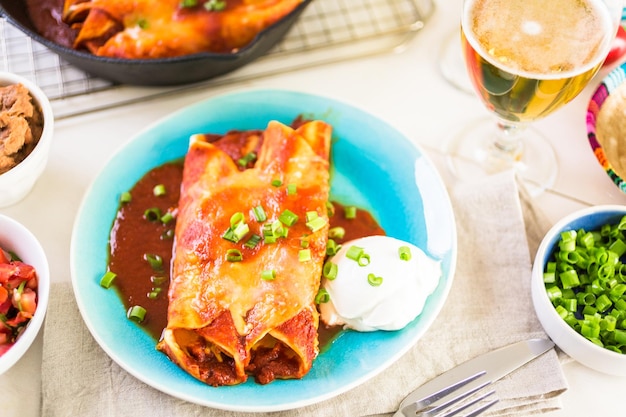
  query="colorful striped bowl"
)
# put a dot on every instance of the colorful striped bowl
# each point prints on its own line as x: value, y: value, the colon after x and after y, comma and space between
x: 610, y: 84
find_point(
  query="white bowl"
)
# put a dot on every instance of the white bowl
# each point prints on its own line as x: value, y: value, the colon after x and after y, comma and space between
x: 566, y: 338
x: 16, y: 183
x: 18, y: 239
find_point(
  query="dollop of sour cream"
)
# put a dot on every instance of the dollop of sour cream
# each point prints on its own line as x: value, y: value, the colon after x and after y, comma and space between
x: 398, y: 299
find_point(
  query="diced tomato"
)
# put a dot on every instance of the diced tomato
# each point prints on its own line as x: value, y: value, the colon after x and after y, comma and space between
x: 18, y: 298
x: 28, y: 302
x: 5, y: 306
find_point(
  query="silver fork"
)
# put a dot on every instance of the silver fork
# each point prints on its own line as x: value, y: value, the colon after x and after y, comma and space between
x: 440, y: 403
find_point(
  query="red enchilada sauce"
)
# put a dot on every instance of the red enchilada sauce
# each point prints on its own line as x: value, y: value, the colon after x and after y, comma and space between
x: 133, y: 236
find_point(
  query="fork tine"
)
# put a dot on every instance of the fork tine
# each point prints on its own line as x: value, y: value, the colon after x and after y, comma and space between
x: 426, y: 402
x: 471, y: 403
x: 436, y: 409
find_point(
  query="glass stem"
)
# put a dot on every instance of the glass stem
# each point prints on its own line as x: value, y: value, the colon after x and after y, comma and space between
x: 508, y: 142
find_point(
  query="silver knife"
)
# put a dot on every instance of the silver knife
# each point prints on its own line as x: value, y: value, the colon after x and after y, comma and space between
x: 489, y: 366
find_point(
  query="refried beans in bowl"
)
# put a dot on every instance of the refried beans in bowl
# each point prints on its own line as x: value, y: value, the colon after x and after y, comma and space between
x: 26, y: 126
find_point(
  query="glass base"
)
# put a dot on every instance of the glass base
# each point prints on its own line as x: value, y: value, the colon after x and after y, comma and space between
x: 472, y: 155
x: 451, y: 63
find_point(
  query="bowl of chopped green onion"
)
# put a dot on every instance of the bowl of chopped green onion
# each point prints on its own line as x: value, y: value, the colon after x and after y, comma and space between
x: 579, y: 287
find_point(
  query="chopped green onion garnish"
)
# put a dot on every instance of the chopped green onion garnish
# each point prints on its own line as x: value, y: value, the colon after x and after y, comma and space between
x: 316, y: 224
x: 350, y: 212
x: 159, y: 190
x: 234, y: 255
x: 405, y: 253
x: 304, y: 255
x: 332, y: 247
x: 152, y: 214
x: 336, y: 232
x: 154, y: 293
x: 259, y: 214
x: 364, y: 260
x: 142, y: 23
x: 158, y: 279
x: 277, y: 183
x: 292, y: 189
x: 322, y: 296
x: 253, y: 241
x: 277, y: 229
x: 168, y: 234
x: 155, y: 261
x: 585, y: 280
x: 188, y: 3
x: 215, y: 5
x: 288, y: 217
x: 268, y: 275
x: 247, y: 158
x: 125, y: 197
x: 304, y: 242
x: 136, y: 313
x: 269, y: 239
x: 330, y: 209
x: 107, y: 279
x: 236, y: 218
x: 329, y: 270
x: 167, y: 217
x: 355, y: 252
x: 237, y: 233
x: 311, y: 215
x: 373, y: 280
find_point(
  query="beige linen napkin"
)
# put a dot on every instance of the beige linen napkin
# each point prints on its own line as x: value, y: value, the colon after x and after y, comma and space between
x: 489, y: 306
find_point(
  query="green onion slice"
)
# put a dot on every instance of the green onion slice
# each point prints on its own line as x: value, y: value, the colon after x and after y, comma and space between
x: 136, y: 313
x: 364, y: 260
x: 304, y: 255
x: 405, y: 253
x: 125, y: 197
x: 355, y: 252
x: 316, y: 224
x: 167, y: 218
x: 159, y: 190
x: 288, y: 217
x: 337, y: 232
x: 155, y: 261
x: 268, y: 275
x: 329, y: 270
x: 349, y: 212
x: 259, y: 213
x: 152, y: 214
x: 234, y: 255
x: 247, y: 158
x: 107, y: 279
x: 373, y: 280
x: 252, y: 241
x: 322, y: 296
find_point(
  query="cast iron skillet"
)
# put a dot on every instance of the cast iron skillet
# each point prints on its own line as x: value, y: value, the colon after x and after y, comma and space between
x: 155, y: 72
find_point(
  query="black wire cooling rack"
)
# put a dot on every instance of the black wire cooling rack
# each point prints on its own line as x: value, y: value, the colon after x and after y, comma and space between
x: 327, y: 31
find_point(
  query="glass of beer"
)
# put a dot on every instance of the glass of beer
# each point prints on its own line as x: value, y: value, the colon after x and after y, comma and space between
x: 526, y: 59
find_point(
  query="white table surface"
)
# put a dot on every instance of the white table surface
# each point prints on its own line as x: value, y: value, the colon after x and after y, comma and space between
x: 405, y: 89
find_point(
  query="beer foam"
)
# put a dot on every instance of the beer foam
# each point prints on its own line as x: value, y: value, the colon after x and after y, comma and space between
x: 539, y: 39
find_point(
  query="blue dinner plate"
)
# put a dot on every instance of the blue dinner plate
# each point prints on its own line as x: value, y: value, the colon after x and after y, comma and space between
x: 374, y: 167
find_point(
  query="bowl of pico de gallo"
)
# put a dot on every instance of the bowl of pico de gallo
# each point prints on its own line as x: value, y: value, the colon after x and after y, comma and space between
x: 24, y: 290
